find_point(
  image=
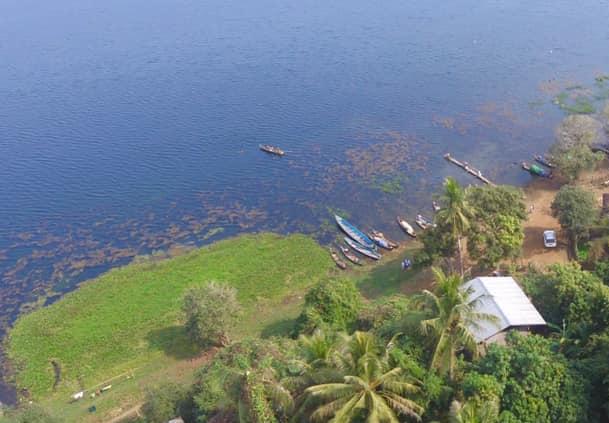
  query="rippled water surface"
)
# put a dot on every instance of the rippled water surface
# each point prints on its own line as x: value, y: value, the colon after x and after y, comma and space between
x: 129, y: 127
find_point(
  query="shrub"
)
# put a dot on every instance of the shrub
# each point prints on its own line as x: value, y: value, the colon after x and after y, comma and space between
x: 333, y: 303
x: 166, y: 402
x: 211, y: 311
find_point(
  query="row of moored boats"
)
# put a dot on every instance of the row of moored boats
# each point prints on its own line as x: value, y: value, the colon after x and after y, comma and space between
x: 368, y: 244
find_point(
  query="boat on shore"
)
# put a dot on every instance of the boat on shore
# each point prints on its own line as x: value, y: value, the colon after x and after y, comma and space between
x: 544, y: 161
x: 354, y: 233
x: 423, y: 222
x: 391, y: 243
x: 536, y: 170
x: 380, y: 241
x: 350, y: 256
x: 362, y: 250
x: 341, y: 264
x: 271, y: 149
x: 436, y: 206
x: 407, y: 227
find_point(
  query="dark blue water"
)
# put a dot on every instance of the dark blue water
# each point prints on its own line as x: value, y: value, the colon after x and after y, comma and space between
x: 128, y: 127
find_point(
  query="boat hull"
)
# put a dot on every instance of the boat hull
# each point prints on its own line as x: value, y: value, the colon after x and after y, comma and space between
x: 354, y: 233
x: 362, y: 250
x: 407, y: 227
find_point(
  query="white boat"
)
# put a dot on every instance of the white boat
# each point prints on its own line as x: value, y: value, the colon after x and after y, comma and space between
x: 406, y: 227
x: 423, y: 222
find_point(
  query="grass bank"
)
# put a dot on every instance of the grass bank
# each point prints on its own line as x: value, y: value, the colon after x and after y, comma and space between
x: 130, y: 316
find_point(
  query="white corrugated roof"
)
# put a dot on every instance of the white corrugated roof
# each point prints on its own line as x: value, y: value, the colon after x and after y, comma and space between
x: 502, y: 297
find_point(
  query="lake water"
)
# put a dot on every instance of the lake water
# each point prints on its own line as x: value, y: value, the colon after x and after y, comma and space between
x: 132, y: 127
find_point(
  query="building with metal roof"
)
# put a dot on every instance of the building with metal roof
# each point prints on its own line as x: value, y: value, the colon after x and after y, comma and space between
x: 502, y: 297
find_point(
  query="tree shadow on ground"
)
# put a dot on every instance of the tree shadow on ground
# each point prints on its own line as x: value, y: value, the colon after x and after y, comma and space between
x: 174, y: 342
x: 283, y: 327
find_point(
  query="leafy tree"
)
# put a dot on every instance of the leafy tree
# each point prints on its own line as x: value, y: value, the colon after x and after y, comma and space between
x: 538, y: 384
x: 211, y: 311
x: 165, y: 402
x: 602, y: 271
x: 333, y: 303
x: 496, y: 231
x: 455, y: 213
x: 571, y: 150
x: 371, y: 387
x: 576, y: 211
x: 454, y: 315
x: 438, y: 242
x: 567, y: 294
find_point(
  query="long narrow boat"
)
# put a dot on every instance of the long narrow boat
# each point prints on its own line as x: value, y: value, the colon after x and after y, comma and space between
x: 436, y: 206
x: 406, y: 227
x: 354, y: 233
x: 542, y: 160
x: 423, y: 222
x: 361, y: 249
x: 392, y: 244
x: 272, y: 149
x: 337, y: 260
x: 350, y: 256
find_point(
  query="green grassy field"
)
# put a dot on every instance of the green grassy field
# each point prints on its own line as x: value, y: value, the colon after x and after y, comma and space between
x: 130, y: 316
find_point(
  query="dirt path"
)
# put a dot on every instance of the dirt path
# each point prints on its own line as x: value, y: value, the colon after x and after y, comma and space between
x: 127, y: 415
x: 539, y: 195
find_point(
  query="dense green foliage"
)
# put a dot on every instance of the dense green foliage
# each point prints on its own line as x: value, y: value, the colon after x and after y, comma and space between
x: 576, y: 210
x: 165, y: 402
x: 331, y: 303
x: 131, y: 314
x: 536, y: 383
x: 490, y: 217
x: 211, y: 312
x: 496, y: 232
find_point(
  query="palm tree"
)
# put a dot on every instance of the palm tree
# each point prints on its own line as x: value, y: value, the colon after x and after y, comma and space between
x: 455, y: 317
x: 475, y: 411
x: 370, y: 388
x: 455, y: 213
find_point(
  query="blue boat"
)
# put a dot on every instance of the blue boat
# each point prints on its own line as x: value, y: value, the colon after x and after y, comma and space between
x: 355, y: 234
x: 362, y: 250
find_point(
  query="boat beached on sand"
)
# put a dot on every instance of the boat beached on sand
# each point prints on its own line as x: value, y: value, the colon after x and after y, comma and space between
x: 337, y: 260
x: 362, y: 250
x: 378, y: 234
x: 355, y: 234
x: 406, y: 227
x: 350, y: 256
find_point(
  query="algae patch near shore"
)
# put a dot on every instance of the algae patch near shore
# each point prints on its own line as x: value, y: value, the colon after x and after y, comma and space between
x: 131, y: 315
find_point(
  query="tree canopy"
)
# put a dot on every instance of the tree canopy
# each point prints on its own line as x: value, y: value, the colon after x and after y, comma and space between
x: 571, y: 151
x: 211, y: 312
x: 576, y: 211
x: 496, y: 231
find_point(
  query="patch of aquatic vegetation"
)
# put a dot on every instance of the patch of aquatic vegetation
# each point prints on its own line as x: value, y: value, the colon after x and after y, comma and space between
x: 580, y: 104
x: 581, y: 99
x: 377, y: 160
x: 335, y: 210
x: 391, y: 185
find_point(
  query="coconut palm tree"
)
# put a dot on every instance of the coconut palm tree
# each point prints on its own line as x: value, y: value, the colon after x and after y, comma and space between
x: 455, y: 213
x: 371, y: 388
x: 474, y: 411
x: 455, y: 317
